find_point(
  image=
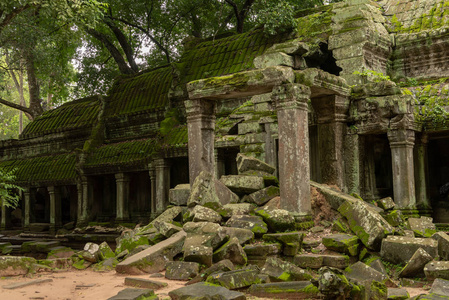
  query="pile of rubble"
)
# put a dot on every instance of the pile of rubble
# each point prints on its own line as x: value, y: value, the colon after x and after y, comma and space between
x: 228, y: 237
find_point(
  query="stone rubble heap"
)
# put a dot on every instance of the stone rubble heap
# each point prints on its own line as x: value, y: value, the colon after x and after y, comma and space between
x: 227, y: 238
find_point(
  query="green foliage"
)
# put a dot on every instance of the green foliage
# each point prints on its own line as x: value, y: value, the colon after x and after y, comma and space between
x: 8, y: 190
x: 371, y: 75
x: 277, y: 17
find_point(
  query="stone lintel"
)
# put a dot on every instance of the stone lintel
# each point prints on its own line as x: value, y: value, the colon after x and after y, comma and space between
x: 294, y: 171
x: 331, y: 108
x: 322, y: 83
x: 241, y: 84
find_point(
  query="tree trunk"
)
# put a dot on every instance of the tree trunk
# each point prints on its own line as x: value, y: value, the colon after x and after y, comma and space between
x: 33, y: 85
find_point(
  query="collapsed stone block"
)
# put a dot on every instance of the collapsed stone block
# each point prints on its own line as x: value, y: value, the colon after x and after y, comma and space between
x: 397, y: 293
x: 153, y: 259
x: 422, y: 227
x: 243, y: 235
x: 253, y: 223
x: 285, y: 290
x: 386, y: 203
x: 437, y: 269
x: 205, y: 214
x: 399, y: 249
x: 443, y: 244
x: 236, y: 279
x: 15, y: 265
x: 262, y: 250
x: 232, y: 209
x: 279, y: 270
x: 415, y: 266
x: 232, y: 251
x: 144, y: 283
x: 242, y: 184
x: 221, y: 266
x: 179, y: 195
x: 207, y: 291
x: 135, y: 294
x: 263, y: 196
x: 316, y: 261
x: 277, y: 219
x: 440, y: 287
x: 247, y: 163
x: 344, y: 243
x: 167, y: 229
x: 200, y: 254
x: 361, y: 273
x: 181, y: 270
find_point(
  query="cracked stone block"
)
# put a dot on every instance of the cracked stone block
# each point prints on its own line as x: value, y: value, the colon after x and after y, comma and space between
x: 399, y: 249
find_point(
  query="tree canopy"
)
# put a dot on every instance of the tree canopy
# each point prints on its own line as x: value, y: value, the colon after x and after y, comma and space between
x: 56, y: 50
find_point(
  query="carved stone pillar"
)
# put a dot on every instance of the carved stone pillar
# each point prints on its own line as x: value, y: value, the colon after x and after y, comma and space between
x: 421, y: 169
x: 201, y: 134
x: 162, y: 167
x: 84, y: 202
x: 122, y: 185
x: 55, y: 209
x: 294, y: 171
x: 26, y: 208
x: 219, y: 164
x: 152, y: 172
x: 401, y: 143
x: 331, y: 117
x: 352, y: 164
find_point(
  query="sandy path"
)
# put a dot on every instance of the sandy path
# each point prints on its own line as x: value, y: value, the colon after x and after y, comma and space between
x: 76, y: 284
x: 88, y: 285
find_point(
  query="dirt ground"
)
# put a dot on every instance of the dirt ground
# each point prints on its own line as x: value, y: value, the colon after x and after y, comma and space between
x: 87, y: 285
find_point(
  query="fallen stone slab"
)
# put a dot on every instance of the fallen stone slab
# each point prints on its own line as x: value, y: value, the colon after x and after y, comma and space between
x: 316, y: 261
x: 437, y: 269
x: 291, y: 241
x: 210, y: 192
x: 285, y: 290
x: 398, y: 293
x: 199, y: 254
x: 440, y: 287
x: 246, y: 163
x: 207, y: 291
x: 422, y: 227
x: 15, y: 265
x: 443, y: 244
x: 236, y: 279
x: 38, y: 246
x: 253, y: 223
x: 377, y: 265
x: 154, y: 258
x: 181, y: 270
x: 27, y: 283
x: 179, y: 194
x: 343, y: 243
x: 135, y: 294
x: 279, y: 270
x: 431, y: 296
x: 360, y: 273
x: 60, y: 252
x: 169, y: 215
x: 399, y: 249
x: 242, y: 184
x: 415, y: 266
x: 129, y: 240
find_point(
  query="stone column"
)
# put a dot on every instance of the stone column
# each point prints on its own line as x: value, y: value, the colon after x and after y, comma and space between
x: 55, y: 209
x: 201, y: 135
x: 401, y: 143
x: 84, y: 202
x: 122, y: 202
x: 331, y: 118
x: 294, y: 172
x: 162, y: 167
x: 26, y: 208
x: 152, y: 172
x: 421, y: 171
x: 352, y: 164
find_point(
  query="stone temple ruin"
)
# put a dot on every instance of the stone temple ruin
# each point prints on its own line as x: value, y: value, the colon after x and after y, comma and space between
x: 315, y: 104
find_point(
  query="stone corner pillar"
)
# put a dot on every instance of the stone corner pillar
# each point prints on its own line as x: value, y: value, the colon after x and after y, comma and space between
x: 422, y: 180
x: 294, y: 170
x: 401, y: 144
x: 55, y: 208
x: 162, y: 174
x: 201, y: 136
x: 152, y: 173
x: 122, y: 202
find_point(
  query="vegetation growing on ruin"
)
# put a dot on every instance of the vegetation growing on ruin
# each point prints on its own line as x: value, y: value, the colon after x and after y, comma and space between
x: 9, y: 192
